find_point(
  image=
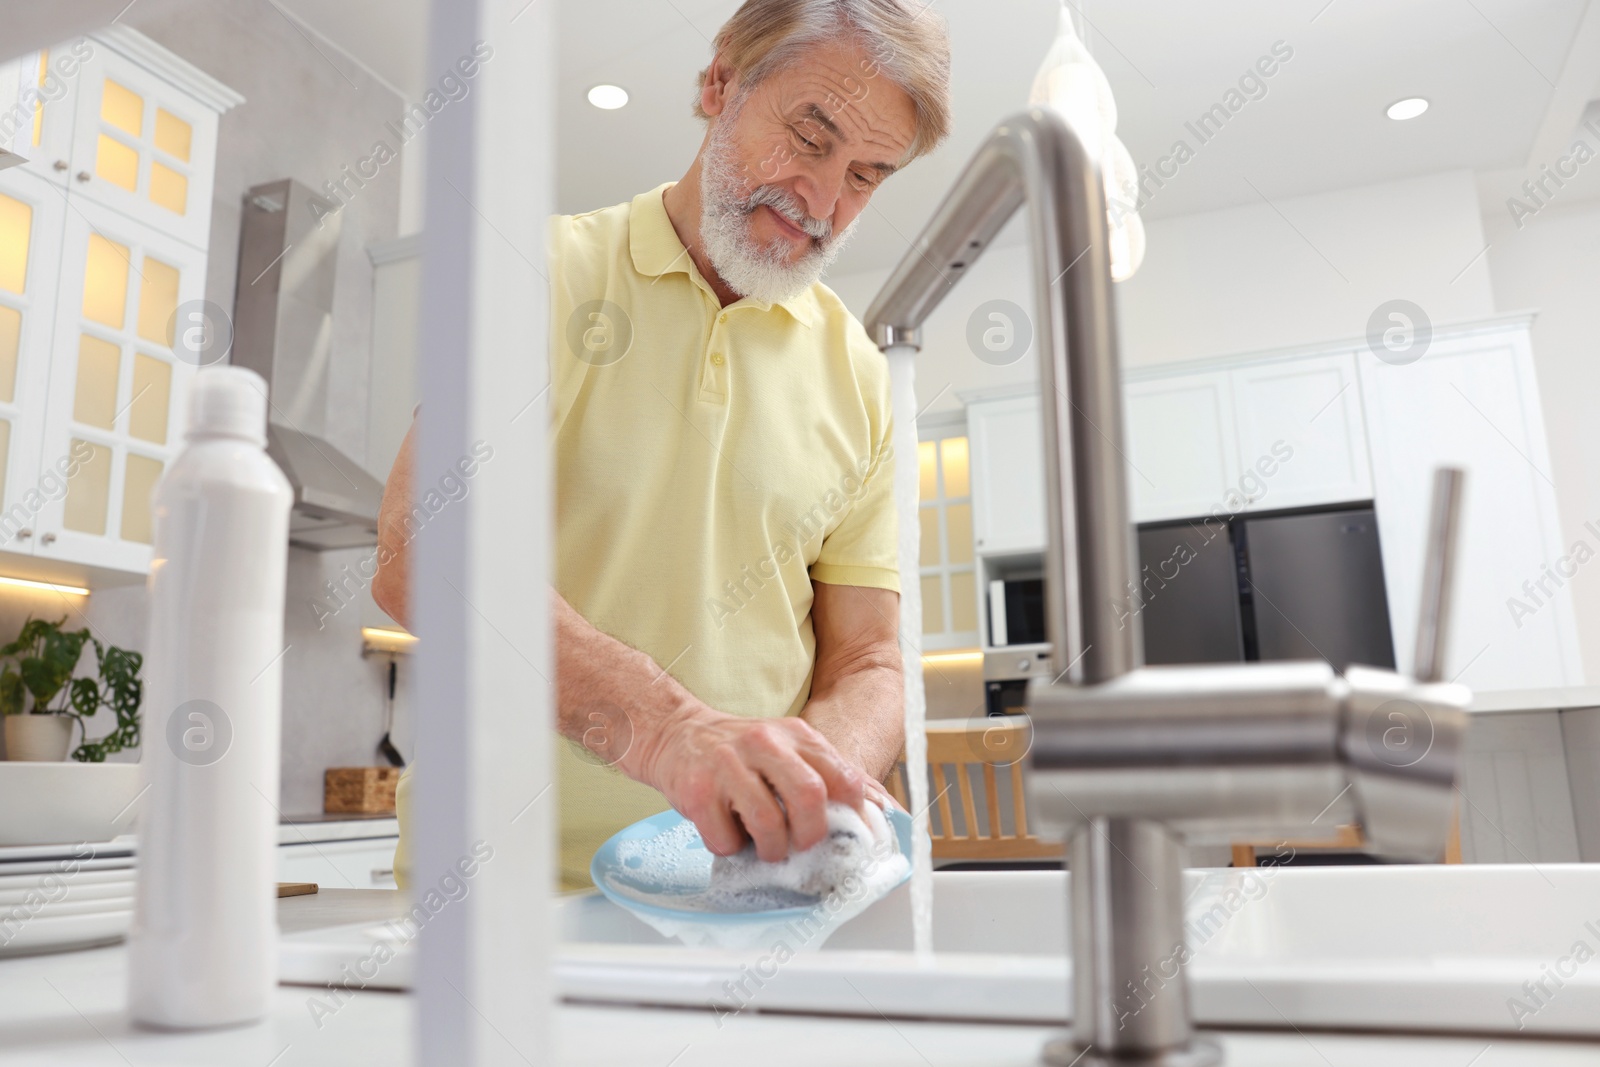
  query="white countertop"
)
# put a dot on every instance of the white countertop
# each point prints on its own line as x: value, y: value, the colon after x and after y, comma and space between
x: 297, y: 831
x: 69, y: 1010
x: 1571, y: 696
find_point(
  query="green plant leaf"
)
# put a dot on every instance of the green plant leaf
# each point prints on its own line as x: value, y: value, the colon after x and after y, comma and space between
x: 85, y: 696
x: 11, y: 691
x: 43, y: 680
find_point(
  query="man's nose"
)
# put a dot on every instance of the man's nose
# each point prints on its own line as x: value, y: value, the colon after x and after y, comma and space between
x: 820, y: 190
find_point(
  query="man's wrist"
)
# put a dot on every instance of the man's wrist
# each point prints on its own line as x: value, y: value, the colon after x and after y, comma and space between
x: 652, y: 736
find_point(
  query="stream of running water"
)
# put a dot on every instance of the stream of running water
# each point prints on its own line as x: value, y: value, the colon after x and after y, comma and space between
x: 902, y: 373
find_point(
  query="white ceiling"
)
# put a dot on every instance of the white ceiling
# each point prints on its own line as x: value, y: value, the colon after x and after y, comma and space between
x: 1506, y: 78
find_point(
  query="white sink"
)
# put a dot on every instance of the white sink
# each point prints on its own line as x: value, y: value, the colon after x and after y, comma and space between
x: 1486, y: 949
x: 1420, y: 948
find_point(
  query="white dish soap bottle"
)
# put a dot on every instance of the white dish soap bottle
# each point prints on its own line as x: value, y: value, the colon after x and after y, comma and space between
x: 203, y: 948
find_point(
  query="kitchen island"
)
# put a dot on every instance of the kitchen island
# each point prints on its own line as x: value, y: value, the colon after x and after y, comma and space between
x: 69, y: 1009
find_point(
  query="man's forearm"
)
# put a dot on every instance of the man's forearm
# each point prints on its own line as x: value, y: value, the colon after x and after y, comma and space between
x: 611, y: 698
x: 862, y: 714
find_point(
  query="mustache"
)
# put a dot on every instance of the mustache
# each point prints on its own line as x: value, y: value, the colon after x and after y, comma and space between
x: 789, y: 206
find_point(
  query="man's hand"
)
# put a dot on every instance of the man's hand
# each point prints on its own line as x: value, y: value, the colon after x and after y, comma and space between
x: 727, y: 775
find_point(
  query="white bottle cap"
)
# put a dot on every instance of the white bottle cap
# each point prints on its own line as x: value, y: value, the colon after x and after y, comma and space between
x: 231, y: 401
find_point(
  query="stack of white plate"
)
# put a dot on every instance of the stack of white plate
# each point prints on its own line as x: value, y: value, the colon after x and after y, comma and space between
x: 59, y: 897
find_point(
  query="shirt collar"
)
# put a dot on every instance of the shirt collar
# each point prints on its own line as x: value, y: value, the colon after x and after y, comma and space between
x: 656, y: 251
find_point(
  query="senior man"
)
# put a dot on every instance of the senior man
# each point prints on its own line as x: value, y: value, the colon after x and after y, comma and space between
x: 726, y: 578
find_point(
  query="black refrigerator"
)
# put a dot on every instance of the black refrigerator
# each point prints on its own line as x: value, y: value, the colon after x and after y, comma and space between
x: 1293, y: 585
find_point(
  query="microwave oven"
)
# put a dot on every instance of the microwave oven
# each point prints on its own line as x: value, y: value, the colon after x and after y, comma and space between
x: 1016, y: 612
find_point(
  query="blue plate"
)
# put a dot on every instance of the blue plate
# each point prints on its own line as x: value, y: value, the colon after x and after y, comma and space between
x: 659, y: 868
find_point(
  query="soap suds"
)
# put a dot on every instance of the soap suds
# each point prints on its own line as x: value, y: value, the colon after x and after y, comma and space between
x: 816, y: 890
x: 744, y: 882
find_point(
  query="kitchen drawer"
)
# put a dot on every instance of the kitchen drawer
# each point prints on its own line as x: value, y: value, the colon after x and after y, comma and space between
x: 367, y: 863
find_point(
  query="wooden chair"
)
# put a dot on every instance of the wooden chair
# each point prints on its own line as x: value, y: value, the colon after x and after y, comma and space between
x: 985, y: 748
x: 1348, y: 839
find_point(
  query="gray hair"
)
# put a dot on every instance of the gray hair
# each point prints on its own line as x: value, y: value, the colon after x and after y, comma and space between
x: 910, y: 46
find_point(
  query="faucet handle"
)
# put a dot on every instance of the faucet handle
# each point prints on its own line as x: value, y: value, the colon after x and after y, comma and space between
x: 1438, y: 573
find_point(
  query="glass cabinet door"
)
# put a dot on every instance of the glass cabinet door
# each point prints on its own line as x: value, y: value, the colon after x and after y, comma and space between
x: 949, y: 573
x: 117, y: 390
x: 46, y: 130
x: 31, y: 214
x: 142, y: 148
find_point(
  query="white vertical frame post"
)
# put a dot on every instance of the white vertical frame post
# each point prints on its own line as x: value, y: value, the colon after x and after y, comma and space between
x: 484, y: 768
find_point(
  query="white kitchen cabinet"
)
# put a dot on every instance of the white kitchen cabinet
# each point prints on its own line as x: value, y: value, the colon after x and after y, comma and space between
x: 1308, y: 408
x: 144, y: 135
x: 31, y: 216
x: 1007, y: 475
x: 366, y: 863
x: 1472, y: 401
x: 1183, y: 451
x: 117, y: 392
x: 36, y: 109
x: 1354, y: 428
x: 1518, y: 800
x: 16, y: 109
x: 1580, y: 741
x: 92, y: 393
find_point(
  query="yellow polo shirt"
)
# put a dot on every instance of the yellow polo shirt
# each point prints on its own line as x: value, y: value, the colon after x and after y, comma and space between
x: 710, y: 464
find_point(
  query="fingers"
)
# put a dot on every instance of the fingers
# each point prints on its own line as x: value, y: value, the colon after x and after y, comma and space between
x: 807, y: 772
x: 753, y: 802
x: 719, y: 829
x: 804, y: 795
x: 884, y: 799
x: 770, y: 780
x: 845, y: 783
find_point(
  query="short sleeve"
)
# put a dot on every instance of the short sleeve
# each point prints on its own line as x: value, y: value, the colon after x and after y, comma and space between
x: 864, y: 548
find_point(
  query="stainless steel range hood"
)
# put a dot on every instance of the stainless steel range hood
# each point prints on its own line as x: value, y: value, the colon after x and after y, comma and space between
x: 283, y: 330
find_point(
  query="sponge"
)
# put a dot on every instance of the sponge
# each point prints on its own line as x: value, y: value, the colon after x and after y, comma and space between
x: 854, y: 846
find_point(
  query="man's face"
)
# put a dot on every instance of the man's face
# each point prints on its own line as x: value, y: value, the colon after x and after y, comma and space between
x: 828, y: 130
x: 790, y: 164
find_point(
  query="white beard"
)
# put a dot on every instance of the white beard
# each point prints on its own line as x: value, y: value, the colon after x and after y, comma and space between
x: 762, y: 272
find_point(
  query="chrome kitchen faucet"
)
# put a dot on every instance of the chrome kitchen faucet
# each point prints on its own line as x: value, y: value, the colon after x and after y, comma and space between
x: 1130, y: 761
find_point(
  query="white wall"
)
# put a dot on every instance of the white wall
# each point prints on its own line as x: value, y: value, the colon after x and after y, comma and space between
x: 947, y: 365
x: 1297, y: 271
x: 1553, y: 265
x: 1304, y: 270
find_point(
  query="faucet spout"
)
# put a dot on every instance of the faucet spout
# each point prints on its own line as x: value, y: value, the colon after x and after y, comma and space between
x: 1034, y: 160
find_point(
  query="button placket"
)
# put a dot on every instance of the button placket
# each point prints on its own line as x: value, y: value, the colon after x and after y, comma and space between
x: 714, y: 368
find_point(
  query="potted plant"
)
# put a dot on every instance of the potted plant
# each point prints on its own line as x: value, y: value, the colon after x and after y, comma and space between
x: 40, y: 699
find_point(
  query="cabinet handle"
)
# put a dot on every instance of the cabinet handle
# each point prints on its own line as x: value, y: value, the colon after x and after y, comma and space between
x: 47, y: 539
x: 59, y: 164
x: 381, y: 873
x: 83, y: 175
x: 24, y: 533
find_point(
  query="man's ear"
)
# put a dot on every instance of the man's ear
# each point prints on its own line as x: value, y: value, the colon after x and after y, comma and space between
x: 719, y: 86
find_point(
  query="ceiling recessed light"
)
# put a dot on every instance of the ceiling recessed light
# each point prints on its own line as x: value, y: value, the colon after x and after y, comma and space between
x: 1409, y: 108
x: 608, y: 97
